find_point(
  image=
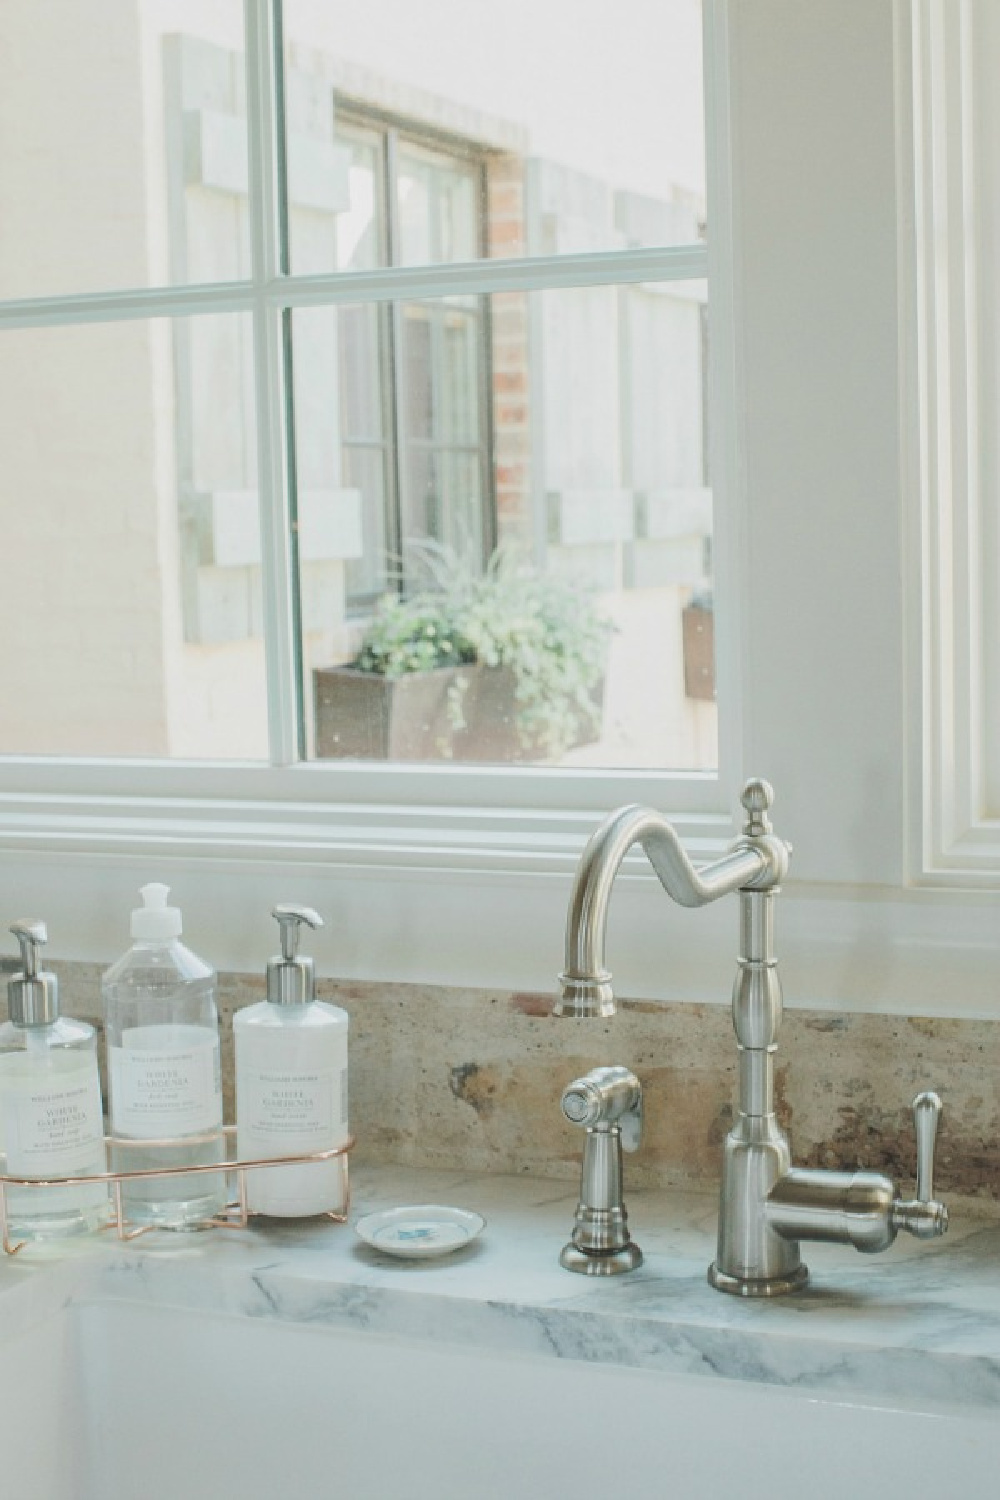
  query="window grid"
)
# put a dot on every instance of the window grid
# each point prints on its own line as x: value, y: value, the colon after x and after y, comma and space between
x: 536, y: 273
x: 273, y: 292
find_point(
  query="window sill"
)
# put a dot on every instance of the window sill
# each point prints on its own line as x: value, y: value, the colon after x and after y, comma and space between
x: 463, y: 895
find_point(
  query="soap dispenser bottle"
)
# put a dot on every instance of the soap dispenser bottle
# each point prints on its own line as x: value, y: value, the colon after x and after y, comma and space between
x: 291, y: 1083
x: 164, y: 1071
x: 51, y: 1122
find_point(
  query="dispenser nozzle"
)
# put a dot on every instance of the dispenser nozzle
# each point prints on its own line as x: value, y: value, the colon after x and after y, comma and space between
x: 291, y: 980
x: 30, y: 934
x: 289, y: 920
x: 32, y: 994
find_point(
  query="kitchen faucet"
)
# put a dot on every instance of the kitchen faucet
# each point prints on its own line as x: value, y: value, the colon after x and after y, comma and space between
x: 766, y: 1206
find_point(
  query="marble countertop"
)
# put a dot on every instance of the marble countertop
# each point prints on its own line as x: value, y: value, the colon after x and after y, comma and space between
x: 919, y: 1323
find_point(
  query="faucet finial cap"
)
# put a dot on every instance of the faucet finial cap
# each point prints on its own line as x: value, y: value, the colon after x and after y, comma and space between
x: 758, y: 795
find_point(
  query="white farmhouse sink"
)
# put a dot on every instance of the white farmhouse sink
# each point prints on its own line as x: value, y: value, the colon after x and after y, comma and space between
x: 121, y: 1401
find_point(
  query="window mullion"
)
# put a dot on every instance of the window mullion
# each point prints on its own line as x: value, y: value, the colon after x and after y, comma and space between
x: 272, y: 373
x: 727, y: 434
x: 133, y: 305
x: 397, y: 374
x: 484, y: 277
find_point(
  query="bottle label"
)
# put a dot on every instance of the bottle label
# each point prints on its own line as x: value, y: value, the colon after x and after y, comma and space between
x: 53, y: 1128
x: 294, y: 1108
x: 166, y: 1081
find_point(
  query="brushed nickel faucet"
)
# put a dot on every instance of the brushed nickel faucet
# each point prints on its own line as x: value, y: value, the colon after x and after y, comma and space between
x: 766, y: 1206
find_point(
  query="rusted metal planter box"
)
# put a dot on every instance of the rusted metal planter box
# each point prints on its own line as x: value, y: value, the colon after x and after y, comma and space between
x: 360, y: 715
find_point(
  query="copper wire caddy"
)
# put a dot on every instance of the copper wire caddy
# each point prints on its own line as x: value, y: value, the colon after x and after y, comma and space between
x: 236, y: 1214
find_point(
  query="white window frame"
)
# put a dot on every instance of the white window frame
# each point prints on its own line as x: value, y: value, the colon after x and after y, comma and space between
x: 104, y: 806
x: 461, y: 875
x: 268, y: 297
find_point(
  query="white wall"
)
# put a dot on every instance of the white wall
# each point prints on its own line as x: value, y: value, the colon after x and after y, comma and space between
x: 818, y: 328
x: 604, y: 89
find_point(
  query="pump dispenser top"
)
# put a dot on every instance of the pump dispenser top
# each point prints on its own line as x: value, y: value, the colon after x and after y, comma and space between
x: 32, y: 993
x: 155, y: 921
x: 291, y: 980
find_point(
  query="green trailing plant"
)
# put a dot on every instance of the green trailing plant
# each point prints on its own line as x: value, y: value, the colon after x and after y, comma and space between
x: 413, y: 635
x: 546, y: 629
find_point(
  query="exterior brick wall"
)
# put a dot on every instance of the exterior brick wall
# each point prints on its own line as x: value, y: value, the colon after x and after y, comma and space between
x: 510, y: 364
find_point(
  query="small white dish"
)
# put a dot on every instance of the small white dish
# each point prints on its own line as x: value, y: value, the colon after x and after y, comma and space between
x: 420, y: 1230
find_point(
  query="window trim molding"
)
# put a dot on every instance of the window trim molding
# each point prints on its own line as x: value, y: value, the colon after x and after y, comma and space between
x: 952, y: 841
x: 438, y: 919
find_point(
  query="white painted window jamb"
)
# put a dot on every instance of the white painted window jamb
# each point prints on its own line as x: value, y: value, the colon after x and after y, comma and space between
x: 953, y: 840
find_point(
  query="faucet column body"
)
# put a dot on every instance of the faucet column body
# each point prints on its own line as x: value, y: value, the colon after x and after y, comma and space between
x: 766, y: 1205
x: 752, y: 1257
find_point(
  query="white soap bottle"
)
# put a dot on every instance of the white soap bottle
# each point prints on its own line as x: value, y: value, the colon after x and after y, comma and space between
x: 51, y: 1121
x: 164, y: 1070
x: 291, y: 1083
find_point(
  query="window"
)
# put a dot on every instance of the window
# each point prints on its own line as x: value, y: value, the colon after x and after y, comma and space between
x: 412, y: 375
x: 186, y: 359
x: 383, y: 340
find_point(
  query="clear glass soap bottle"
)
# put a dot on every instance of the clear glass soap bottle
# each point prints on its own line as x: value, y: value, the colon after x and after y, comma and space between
x: 164, y: 1072
x: 51, y: 1121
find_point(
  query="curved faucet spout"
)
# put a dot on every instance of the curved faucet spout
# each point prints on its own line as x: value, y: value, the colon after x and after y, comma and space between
x: 757, y: 861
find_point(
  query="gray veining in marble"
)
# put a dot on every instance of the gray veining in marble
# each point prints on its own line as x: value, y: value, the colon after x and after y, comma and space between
x: 919, y: 1324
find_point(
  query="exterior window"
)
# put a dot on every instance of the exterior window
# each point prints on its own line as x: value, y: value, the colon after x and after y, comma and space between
x: 387, y: 332
x: 441, y: 456
x: 411, y: 376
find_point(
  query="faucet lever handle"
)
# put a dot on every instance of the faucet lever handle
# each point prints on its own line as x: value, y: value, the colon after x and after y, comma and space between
x: 923, y: 1216
x: 631, y: 1124
x: 926, y: 1114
